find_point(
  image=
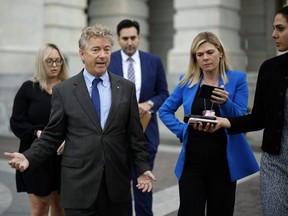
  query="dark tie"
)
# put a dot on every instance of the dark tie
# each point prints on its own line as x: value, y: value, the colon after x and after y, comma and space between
x: 95, y: 97
x: 131, y: 71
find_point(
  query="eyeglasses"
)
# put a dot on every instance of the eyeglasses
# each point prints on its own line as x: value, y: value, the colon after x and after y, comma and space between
x: 50, y: 62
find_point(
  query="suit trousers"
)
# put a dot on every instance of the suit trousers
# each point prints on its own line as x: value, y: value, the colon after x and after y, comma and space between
x: 142, y: 201
x: 205, y: 186
x: 103, y: 206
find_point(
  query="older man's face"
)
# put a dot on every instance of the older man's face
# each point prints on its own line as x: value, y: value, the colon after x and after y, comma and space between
x: 96, y: 56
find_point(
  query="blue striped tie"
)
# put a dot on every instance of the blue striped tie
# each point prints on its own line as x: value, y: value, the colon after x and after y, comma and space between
x: 96, y: 97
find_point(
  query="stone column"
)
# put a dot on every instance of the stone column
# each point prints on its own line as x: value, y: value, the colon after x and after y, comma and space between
x: 19, y: 39
x: 63, y: 24
x: 25, y: 26
x: 191, y: 17
x: 110, y: 13
x: 161, y: 27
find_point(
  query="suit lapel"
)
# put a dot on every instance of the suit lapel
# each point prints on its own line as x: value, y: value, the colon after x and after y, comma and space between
x: 116, y: 63
x: 119, y: 62
x: 82, y: 95
x: 189, y: 96
x: 145, y: 73
x: 116, y: 92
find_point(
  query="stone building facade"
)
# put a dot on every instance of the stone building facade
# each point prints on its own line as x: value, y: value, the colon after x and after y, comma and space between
x: 167, y: 29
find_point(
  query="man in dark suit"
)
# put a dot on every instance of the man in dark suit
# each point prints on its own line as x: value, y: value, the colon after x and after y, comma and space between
x: 95, y: 165
x: 149, y: 77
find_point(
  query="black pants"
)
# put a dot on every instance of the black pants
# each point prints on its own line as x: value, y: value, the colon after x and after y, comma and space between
x: 103, y: 206
x: 205, y: 186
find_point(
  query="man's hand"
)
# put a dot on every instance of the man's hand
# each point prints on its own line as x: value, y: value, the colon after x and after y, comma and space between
x: 18, y: 161
x: 145, y: 181
x: 143, y: 108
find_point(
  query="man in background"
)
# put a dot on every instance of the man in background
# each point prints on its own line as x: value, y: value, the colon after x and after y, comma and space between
x: 147, y: 72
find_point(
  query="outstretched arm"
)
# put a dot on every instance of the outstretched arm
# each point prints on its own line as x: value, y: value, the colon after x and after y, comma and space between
x: 18, y: 161
x: 222, y: 123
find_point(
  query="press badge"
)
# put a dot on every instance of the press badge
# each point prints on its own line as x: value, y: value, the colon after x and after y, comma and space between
x: 208, y: 113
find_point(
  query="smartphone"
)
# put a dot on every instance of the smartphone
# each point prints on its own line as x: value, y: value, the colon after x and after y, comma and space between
x: 191, y: 119
x: 206, y: 91
x: 204, y: 119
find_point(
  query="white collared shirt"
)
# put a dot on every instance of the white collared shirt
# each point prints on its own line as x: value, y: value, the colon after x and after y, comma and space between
x: 137, y: 68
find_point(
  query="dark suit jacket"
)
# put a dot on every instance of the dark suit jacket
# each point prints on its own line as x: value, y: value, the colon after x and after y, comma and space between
x: 154, y: 88
x: 88, y: 147
x: 269, y: 104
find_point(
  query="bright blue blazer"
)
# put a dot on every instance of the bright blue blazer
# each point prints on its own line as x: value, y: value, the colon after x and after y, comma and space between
x: 240, y: 157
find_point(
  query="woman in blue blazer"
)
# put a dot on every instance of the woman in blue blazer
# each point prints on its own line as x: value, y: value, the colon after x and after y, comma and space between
x: 209, y: 164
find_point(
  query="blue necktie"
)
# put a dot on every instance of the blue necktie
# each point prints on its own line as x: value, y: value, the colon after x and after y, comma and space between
x: 96, y: 97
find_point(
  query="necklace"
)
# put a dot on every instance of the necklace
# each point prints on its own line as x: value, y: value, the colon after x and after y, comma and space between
x: 210, y: 79
x: 211, y: 83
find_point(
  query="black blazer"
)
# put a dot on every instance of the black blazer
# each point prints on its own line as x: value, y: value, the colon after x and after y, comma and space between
x: 268, y: 107
x: 88, y: 148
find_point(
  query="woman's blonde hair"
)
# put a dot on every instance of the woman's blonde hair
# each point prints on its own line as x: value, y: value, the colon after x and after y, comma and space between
x: 40, y: 75
x: 194, y: 71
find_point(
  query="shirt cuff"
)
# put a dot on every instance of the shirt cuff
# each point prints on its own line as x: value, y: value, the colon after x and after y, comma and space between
x: 151, y: 103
